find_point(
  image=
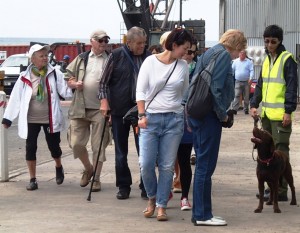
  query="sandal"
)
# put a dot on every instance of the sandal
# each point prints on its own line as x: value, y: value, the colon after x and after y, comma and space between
x: 149, y: 211
x: 161, y: 214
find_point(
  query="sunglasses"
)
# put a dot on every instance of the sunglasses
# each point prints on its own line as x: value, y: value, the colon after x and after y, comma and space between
x: 102, y: 40
x: 271, y: 41
x: 190, y: 52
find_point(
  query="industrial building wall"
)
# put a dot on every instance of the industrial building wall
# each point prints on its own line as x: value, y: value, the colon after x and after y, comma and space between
x: 252, y: 17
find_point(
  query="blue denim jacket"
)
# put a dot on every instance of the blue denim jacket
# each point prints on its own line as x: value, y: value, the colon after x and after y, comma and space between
x: 222, y: 82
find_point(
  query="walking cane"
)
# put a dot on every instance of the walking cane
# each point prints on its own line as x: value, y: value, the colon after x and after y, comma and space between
x: 94, y: 173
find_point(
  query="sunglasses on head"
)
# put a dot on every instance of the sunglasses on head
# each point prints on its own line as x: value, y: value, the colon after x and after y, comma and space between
x: 271, y: 41
x: 102, y: 40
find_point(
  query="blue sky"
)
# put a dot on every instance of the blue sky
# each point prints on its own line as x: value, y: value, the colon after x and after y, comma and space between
x: 78, y: 18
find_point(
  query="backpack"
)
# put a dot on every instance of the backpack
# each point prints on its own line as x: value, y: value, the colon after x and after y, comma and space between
x: 200, y: 100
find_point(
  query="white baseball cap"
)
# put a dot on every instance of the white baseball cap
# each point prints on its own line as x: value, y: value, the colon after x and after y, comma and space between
x: 37, y: 47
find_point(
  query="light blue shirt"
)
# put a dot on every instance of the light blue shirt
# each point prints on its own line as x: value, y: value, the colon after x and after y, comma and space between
x: 243, y: 70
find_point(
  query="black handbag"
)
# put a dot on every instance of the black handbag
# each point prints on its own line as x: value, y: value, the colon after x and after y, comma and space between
x: 132, y: 114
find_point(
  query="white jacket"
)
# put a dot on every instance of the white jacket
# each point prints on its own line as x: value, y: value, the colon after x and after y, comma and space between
x: 18, y: 103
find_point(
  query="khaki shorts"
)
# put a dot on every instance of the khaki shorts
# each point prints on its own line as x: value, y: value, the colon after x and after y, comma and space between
x: 83, y: 130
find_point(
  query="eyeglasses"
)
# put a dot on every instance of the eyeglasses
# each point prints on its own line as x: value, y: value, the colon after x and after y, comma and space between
x: 271, y: 41
x: 190, y: 52
x: 102, y: 40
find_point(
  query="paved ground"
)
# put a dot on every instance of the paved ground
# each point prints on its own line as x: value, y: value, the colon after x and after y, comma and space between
x: 64, y: 208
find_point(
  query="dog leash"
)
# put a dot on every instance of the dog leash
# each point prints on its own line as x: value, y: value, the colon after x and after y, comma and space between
x: 267, y: 161
x: 253, y: 153
x: 256, y: 120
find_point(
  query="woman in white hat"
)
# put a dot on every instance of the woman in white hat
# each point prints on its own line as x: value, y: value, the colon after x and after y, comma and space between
x: 35, y: 98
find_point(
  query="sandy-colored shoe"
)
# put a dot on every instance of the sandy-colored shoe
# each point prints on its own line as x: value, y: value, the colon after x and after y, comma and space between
x: 177, y: 190
x: 161, y: 214
x: 96, y: 186
x: 149, y: 211
x: 86, y: 176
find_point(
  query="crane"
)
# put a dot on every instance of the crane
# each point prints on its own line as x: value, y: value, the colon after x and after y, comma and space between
x: 142, y: 13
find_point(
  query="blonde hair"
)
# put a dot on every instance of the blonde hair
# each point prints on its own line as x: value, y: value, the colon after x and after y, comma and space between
x: 163, y: 38
x: 234, y: 39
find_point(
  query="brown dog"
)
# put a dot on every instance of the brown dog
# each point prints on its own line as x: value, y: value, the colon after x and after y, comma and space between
x: 272, y: 165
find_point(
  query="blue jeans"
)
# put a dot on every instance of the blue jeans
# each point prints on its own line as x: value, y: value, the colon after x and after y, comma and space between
x: 207, y: 143
x: 159, y: 144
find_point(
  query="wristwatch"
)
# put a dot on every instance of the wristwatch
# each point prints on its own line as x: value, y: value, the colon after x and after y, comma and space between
x: 141, y: 115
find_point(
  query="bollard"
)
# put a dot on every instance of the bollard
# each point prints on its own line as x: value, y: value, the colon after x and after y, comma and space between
x: 3, y: 142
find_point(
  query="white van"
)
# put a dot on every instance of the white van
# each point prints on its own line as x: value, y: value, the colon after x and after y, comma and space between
x: 12, y: 66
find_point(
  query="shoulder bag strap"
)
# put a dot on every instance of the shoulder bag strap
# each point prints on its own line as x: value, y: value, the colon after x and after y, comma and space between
x: 163, y: 85
x: 55, y: 77
x: 131, y: 61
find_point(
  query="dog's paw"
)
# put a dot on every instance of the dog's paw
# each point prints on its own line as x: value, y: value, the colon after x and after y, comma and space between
x: 258, y: 210
x: 293, y: 202
x: 277, y: 211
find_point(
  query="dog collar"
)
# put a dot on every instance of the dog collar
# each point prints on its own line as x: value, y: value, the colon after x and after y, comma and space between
x: 267, y: 161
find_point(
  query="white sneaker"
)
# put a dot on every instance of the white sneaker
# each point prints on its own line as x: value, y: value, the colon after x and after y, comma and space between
x: 214, y: 221
x: 185, y: 205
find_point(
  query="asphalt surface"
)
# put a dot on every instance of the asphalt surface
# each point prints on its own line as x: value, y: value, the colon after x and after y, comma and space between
x: 64, y: 208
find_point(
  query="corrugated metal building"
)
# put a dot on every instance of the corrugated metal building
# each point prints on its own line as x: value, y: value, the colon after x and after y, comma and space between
x: 253, y: 16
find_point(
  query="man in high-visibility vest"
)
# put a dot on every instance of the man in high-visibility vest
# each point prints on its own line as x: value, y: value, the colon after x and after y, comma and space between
x: 276, y: 90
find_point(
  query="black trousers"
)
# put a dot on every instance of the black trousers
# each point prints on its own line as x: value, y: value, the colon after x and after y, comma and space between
x: 52, y: 139
x: 121, y: 131
x: 183, y: 156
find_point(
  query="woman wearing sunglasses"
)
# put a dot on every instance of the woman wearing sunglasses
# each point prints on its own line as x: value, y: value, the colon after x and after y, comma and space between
x: 277, y: 91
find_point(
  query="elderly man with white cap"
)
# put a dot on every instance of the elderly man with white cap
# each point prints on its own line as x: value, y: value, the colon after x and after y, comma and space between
x: 85, y: 119
x: 35, y: 98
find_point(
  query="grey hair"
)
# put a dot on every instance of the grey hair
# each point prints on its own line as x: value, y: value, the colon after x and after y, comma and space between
x: 135, y: 32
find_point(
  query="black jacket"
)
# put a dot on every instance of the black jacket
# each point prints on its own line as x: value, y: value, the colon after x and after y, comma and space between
x: 118, y: 81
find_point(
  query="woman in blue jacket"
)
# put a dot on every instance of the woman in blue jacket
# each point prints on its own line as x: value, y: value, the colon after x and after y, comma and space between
x: 207, y: 131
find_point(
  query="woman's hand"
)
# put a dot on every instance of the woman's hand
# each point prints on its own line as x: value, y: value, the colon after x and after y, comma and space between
x: 142, y: 123
x: 5, y: 126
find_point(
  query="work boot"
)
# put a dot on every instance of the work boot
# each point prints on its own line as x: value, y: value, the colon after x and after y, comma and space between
x: 60, y: 176
x: 266, y: 194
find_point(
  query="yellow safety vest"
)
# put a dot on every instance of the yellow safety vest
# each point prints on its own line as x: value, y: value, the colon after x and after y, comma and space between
x: 274, y: 87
